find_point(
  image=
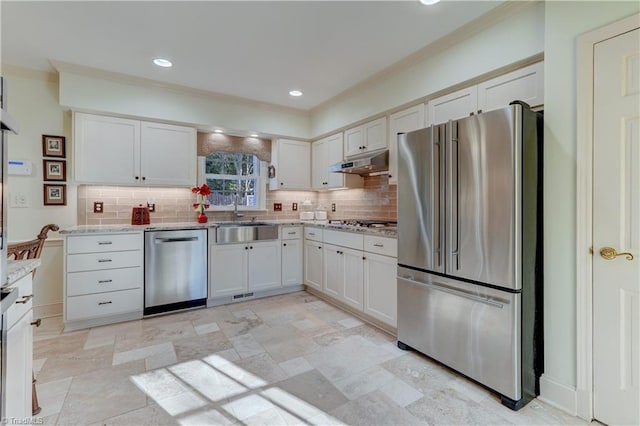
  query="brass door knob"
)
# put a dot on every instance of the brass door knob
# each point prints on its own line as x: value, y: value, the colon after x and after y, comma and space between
x: 610, y: 253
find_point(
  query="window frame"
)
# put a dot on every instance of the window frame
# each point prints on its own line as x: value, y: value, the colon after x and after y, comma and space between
x: 261, y: 184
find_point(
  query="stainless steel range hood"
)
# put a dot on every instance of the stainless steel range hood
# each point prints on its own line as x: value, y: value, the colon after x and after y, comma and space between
x: 368, y: 164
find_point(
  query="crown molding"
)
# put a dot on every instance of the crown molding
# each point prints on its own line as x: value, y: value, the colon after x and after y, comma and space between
x: 66, y: 67
x: 24, y: 72
x: 499, y: 13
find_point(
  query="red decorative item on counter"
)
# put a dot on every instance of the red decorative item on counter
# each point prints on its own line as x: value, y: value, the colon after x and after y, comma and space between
x: 201, y: 204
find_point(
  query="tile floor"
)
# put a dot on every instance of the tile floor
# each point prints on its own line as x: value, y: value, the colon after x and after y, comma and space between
x: 284, y: 360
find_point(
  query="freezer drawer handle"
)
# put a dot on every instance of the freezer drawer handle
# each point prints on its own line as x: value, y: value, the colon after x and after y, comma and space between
x: 175, y: 240
x: 464, y: 294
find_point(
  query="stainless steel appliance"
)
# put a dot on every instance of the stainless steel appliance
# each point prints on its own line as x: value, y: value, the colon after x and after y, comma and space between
x: 175, y: 270
x: 367, y: 164
x: 470, y: 248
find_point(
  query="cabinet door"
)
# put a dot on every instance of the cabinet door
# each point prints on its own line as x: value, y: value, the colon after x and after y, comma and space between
x: 313, y: 264
x: 319, y: 172
x: 380, y: 294
x: 19, y: 367
x: 525, y: 84
x: 453, y: 106
x: 106, y: 149
x: 333, y: 283
x: 228, y: 270
x: 291, y: 262
x: 375, y: 134
x: 293, y: 169
x: 404, y: 121
x: 353, y: 141
x: 265, y: 264
x: 168, y: 155
x: 353, y: 277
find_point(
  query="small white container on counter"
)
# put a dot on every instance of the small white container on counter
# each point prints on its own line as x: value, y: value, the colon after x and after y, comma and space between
x: 320, y: 215
x: 306, y: 215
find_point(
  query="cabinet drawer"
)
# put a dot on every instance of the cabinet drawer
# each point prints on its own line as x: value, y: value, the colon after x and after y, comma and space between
x: 381, y: 245
x: 103, y: 304
x: 314, y: 234
x: 345, y: 239
x: 79, y: 283
x: 24, y: 287
x: 104, y: 243
x: 291, y: 232
x: 99, y: 261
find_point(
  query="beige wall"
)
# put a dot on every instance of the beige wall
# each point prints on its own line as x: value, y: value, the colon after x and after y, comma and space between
x: 564, y: 21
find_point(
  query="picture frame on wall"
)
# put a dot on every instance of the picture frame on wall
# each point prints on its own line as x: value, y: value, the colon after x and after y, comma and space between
x: 53, y: 146
x: 55, y: 170
x: 55, y: 195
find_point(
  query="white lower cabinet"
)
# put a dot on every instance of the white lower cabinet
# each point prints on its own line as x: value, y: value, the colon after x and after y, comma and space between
x: 103, y: 279
x: 355, y: 270
x: 292, y: 255
x: 237, y: 269
x: 19, y: 350
x: 313, y: 264
x: 380, y: 288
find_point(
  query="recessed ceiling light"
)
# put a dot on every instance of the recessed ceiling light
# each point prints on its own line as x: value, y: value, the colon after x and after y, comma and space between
x: 217, y: 131
x: 253, y: 135
x: 161, y: 62
x: 429, y: 2
x: 295, y: 93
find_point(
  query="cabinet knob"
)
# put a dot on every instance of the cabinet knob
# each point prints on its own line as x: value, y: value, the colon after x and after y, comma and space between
x: 246, y: 247
x: 137, y: 177
x: 36, y: 322
x: 364, y: 258
x: 144, y: 178
x: 320, y: 247
x: 281, y: 183
x: 284, y: 244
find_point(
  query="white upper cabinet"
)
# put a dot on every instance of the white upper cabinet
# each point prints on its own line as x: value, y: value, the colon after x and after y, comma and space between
x: 453, y: 106
x: 403, y: 121
x: 324, y: 153
x: 167, y: 154
x: 525, y: 84
x: 371, y: 136
x: 118, y: 151
x: 292, y: 162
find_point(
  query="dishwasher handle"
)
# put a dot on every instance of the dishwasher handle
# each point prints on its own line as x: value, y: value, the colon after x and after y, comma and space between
x: 175, y: 240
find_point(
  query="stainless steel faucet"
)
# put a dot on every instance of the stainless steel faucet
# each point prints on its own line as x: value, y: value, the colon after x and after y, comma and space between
x: 236, y: 215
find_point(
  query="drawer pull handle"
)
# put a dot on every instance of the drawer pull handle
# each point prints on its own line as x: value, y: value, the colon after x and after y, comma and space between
x: 104, y: 243
x: 378, y: 245
x: 105, y: 303
x: 104, y: 260
x: 25, y: 299
x: 36, y: 322
x: 311, y: 233
x: 293, y: 233
x: 104, y: 281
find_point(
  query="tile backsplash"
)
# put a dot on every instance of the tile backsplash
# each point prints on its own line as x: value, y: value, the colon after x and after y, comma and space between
x: 377, y: 200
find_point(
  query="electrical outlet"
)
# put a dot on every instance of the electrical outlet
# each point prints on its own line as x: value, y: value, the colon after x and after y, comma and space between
x: 152, y: 207
x: 277, y: 207
x: 294, y: 207
x: 333, y: 207
x: 98, y: 207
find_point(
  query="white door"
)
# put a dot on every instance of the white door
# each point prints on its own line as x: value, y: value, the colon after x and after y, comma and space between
x: 293, y: 165
x: 380, y: 287
x: 265, y: 265
x: 167, y: 154
x: 375, y: 134
x: 333, y: 283
x: 353, y: 277
x: 291, y: 262
x: 319, y: 166
x: 353, y: 141
x: 616, y: 226
x: 228, y: 272
x: 313, y: 264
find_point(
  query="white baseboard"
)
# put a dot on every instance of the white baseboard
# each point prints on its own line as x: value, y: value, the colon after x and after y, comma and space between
x: 558, y: 395
x: 47, y: 311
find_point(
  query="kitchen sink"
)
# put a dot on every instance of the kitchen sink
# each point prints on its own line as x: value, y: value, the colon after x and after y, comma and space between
x: 231, y: 233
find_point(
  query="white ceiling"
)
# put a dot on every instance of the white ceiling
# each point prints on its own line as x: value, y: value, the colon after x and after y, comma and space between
x: 255, y: 50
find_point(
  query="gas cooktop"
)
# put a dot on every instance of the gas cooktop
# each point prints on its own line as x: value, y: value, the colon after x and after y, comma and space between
x: 369, y: 223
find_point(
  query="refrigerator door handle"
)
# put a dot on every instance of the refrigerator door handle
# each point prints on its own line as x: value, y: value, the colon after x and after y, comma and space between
x: 454, y: 196
x: 437, y: 194
x: 455, y: 292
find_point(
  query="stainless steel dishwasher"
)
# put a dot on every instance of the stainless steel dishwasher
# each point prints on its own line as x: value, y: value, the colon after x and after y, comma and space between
x: 175, y: 270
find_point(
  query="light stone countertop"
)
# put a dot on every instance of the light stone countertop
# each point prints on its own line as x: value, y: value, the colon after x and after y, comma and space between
x: 17, y: 269
x: 95, y: 229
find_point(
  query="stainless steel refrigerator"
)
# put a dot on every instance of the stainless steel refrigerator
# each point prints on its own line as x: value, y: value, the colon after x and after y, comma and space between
x: 470, y: 248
